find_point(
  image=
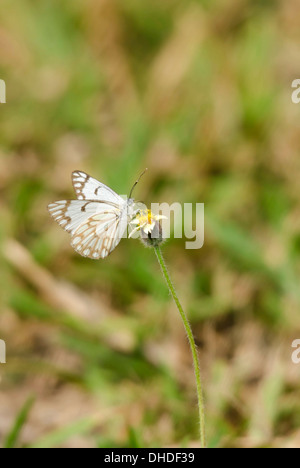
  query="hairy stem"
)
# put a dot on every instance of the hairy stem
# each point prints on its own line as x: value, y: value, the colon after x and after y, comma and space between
x: 192, y: 345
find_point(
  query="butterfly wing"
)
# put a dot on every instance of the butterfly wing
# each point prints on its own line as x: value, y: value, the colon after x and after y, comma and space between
x: 96, y: 227
x: 96, y: 221
x: 70, y: 214
x: 100, y: 234
x: 88, y: 188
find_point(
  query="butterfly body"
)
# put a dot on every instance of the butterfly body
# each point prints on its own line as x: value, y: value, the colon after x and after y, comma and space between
x: 97, y: 220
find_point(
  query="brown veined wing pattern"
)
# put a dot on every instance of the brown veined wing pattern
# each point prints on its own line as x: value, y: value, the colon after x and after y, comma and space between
x: 99, y: 235
x: 88, y: 188
x: 96, y: 221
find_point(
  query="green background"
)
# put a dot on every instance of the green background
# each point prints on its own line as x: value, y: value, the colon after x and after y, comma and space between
x: 200, y: 93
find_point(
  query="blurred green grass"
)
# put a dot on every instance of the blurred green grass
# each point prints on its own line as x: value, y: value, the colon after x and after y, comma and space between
x: 199, y: 93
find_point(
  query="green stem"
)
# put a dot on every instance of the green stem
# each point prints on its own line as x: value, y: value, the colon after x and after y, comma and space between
x: 192, y: 344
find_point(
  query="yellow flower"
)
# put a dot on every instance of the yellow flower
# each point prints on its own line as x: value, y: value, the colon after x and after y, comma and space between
x: 145, y: 221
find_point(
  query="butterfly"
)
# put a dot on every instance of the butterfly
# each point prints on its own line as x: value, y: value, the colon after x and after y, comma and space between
x: 97, y: 220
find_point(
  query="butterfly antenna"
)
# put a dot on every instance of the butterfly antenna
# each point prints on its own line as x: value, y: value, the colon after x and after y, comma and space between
x: 135, y: 184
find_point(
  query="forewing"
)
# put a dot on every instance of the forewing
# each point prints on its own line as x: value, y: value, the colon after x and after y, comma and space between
x: 70, y: 214
x: 88, y: 188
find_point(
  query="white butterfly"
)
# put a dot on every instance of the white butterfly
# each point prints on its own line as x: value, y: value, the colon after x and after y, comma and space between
x: 98, y: 218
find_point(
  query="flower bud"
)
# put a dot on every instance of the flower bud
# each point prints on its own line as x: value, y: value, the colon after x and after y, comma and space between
x: 149, y: 226
x: 153, y: 237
